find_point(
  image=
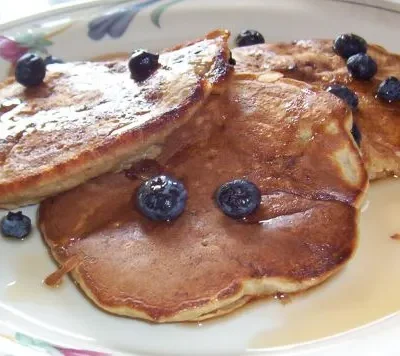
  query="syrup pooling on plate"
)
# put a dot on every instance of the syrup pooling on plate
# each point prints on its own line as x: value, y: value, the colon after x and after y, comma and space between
x: 368, y: 289
x: 381, y: 203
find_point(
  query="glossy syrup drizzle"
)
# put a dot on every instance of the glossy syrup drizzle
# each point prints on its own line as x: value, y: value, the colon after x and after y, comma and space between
x: 55, y: 278
x: 366, y: 290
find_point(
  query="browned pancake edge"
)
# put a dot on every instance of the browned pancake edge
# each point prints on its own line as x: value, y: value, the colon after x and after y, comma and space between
x: 51, y: 154
x: 315, y: 62
x: 205, y: 263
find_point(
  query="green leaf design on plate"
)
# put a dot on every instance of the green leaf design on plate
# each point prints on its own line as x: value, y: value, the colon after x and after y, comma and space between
x: 159, y: 10
x: 28, y: 341
x: 34, y: 41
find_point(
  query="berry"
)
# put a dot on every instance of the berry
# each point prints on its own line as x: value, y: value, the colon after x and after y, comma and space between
x: 30, y: 70
x: 248, y: 38
x: 232, y: 60
x: 356, y: 134
x: 161, y: 198
x: 142, y: 64
x: 52, y: 60
x: 349, y: 44
x: 362, y: 66
x: 344, y: 93
x: 16, y: 225
x: 238, y: 198
x: 389, y: 90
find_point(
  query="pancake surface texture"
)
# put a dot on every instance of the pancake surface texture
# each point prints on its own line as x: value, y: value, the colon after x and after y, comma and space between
x: 315, y: 62
x: 292, y: 142
x: 89, y: 118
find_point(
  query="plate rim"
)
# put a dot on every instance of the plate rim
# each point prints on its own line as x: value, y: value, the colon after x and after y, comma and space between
x: 75, y: 5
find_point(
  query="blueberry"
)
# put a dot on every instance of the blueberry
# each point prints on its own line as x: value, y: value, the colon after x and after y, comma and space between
x: 349, y: 44
x: 15, y: 225
x: 52, y: 60
x: 142, y: 64
x: 161, y: 198
x: 389, y: 90
x: 232, y: 61
x: 344, y: 93
x: 30, y: 70
x: 362, y: 66
x: 356, y: 134
x: 248, y: 38
x: 238, y: 198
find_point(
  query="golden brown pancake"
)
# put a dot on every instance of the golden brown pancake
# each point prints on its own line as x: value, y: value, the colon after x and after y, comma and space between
x: 314, y: 61
x: 291, y: 141
x: 91, y: 118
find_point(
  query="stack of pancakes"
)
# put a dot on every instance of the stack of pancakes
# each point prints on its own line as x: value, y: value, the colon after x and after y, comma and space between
x: 316, y: 63
x: 269, y: 120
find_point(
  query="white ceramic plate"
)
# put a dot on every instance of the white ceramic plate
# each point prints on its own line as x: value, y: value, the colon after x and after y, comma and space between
x: 355, y: 313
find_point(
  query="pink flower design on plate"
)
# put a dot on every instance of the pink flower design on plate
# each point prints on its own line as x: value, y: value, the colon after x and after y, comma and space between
x: 11, y: 50
x: 72, y: 352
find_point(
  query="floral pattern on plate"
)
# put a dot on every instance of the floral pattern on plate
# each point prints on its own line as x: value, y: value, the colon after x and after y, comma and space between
x: 46, y: 348
x: 116, y: 22
x: 113, y: 23
x: 33, y: 40
x: 38, y: 40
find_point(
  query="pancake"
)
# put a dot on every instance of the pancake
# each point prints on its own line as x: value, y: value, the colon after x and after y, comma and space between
x: 91, y: 118
x: 315, y: 62
x: 290, y: 140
